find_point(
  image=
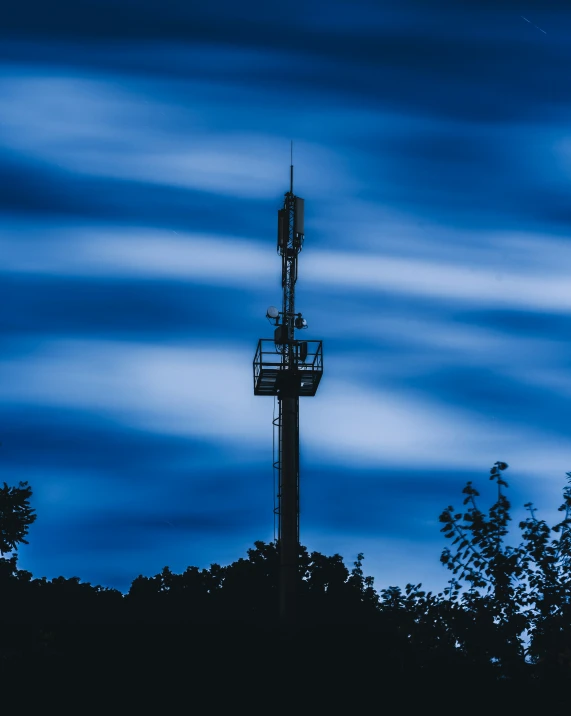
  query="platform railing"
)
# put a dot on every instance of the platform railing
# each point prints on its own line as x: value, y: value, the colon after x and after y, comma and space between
x: 271, y: 372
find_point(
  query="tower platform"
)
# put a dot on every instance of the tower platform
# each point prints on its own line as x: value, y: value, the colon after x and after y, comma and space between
x: 273, y: 377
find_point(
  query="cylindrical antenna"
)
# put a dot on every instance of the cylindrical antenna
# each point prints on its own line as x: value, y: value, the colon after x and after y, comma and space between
x: 291, y: 169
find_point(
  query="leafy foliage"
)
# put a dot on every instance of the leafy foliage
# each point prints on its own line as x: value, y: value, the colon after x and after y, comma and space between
x: 516, y: 609
x: 16, y: 516
x: 504, y: 619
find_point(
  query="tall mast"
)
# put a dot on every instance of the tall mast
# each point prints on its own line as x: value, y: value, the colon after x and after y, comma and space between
x: 288, y: 368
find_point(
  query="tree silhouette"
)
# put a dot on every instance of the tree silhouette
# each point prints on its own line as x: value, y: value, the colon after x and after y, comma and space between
x: 501, y: 627
x: 516, y: 607
x: 547, y: 563
x: 16, y: 516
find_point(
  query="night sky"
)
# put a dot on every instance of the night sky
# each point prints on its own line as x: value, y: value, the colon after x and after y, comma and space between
x: 144, y: 152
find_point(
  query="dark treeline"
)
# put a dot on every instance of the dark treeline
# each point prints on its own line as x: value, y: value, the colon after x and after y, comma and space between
x: 501, y: 629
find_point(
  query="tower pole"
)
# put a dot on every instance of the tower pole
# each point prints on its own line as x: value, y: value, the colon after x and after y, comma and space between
x: 289, y: 509
x: 289, y: 420
x: 287, y: 369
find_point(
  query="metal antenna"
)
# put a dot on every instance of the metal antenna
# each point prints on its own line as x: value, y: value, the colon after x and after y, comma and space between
x: 288, y: 368
x: 291, y: 168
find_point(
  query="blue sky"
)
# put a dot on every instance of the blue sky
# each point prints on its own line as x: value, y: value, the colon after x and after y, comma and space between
x: 144, y: 151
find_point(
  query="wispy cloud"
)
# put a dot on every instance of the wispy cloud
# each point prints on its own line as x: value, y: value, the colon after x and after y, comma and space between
x: 142, y: 165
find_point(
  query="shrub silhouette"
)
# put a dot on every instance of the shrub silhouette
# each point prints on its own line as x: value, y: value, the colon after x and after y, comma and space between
x: 503, y: 623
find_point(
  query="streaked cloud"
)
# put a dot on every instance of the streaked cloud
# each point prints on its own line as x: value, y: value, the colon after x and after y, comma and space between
x: 142, y: 161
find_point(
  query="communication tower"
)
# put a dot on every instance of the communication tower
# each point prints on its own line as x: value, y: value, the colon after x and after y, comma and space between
x: 288, y: 369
